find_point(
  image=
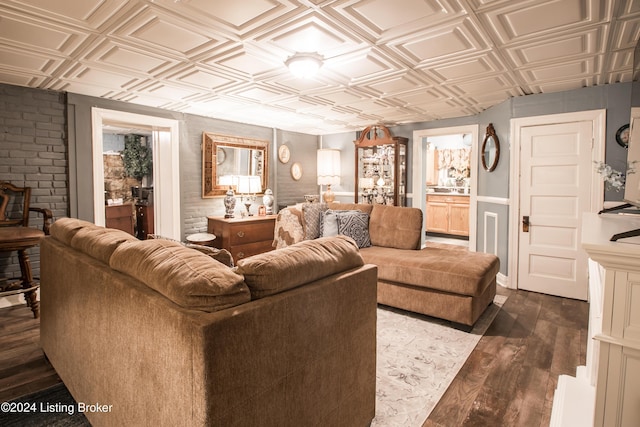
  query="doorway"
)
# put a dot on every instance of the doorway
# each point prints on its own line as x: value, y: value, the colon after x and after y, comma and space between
x: 164, y: 142
x: 553, y: 182
x: 441, y: 172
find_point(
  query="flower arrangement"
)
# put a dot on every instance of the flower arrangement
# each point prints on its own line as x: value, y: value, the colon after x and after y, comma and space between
x: 614, y: 179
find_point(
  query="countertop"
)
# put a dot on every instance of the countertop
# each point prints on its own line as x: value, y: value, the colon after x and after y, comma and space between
x: 447, y: 191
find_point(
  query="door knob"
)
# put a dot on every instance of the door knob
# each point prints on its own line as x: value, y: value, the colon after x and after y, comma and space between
x: 525, y: 224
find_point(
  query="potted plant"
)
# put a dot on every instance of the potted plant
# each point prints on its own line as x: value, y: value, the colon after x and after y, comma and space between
x: 138, y: 158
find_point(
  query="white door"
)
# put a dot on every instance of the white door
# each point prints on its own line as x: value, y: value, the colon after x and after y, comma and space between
x: 555, y: 189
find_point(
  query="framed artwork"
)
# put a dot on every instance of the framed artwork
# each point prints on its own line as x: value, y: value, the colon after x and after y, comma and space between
x: 296, y: 171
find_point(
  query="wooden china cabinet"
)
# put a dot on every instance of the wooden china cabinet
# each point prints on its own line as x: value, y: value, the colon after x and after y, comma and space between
x: 381, y: 167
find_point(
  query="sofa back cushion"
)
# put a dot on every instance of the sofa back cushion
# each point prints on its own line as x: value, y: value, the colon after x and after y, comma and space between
x: 351, y: 207
x: 64, y: 229
x: 93, y: 240
x: 390, y: 226
x: 395, y: 227
x: 99, y: 242
x: 186, y: 276
x: 276, y: 271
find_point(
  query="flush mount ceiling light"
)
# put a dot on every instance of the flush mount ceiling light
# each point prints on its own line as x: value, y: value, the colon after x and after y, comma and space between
x: 304, y: 64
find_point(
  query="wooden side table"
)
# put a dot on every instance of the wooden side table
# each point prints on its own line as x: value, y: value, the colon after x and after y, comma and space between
x: 243, y: 237
x: 120, y: 217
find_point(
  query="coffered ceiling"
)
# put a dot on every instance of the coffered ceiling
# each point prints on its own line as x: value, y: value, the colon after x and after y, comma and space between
x: 389, y: 61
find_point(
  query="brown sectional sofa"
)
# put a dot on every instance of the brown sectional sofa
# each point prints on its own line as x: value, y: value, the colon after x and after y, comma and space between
x: 452, y: 285
x: 167, y: 336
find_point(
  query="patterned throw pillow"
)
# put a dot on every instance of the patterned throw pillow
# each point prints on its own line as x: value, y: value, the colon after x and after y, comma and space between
x: 288, y: 229
x: 356, y: 226
x: 312, y: 215
x: 329, y: 222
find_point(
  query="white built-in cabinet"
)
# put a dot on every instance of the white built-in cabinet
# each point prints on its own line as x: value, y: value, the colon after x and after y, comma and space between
x: 606, y: 392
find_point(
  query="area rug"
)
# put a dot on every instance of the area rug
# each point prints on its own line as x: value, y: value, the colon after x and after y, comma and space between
x: 51, y: 407
x: 418, y: 357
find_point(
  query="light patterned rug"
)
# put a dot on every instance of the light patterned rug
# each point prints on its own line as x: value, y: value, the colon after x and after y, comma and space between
x: 418, y: 357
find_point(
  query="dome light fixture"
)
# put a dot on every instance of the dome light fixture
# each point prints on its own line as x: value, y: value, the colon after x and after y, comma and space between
x: 304, y: 64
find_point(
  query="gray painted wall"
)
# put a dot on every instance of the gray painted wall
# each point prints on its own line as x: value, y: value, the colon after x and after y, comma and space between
x: 303, y: 150
x: 75, y: 196
x: 194, y: 209
x: 615, y: 98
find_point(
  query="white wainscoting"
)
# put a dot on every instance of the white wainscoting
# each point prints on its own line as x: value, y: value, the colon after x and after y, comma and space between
x: 494, y: 200
x: 490, y: 220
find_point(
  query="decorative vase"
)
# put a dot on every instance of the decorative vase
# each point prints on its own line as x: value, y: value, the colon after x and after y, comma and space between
x: 267, y: 199
x: 229, y: 203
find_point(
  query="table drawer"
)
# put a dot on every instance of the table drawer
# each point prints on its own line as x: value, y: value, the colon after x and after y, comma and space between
x: 243, y: 237
x: 242, y: 234
x: 244, y: 251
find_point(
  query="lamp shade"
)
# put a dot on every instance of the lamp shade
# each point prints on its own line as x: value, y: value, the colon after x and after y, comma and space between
x: 228, y: 180
x: 249, y: 184
x: 328, y: 166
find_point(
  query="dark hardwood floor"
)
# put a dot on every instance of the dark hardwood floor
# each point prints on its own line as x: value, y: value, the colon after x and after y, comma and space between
x: 508, y: 380
x: 23, y: 367
x: 511, y: 376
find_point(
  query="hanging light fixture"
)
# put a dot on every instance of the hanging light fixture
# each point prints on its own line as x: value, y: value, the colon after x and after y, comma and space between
x: 304, y: 64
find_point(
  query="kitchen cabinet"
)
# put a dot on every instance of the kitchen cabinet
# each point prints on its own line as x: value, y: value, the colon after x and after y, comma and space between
x: 447, y: 214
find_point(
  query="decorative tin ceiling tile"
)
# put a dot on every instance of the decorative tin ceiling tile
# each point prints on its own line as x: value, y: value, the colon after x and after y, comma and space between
x: 402, y: 61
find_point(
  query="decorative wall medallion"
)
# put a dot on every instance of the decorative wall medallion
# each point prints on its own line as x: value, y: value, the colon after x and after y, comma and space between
x: 296, y: 171
x: 284, y: 154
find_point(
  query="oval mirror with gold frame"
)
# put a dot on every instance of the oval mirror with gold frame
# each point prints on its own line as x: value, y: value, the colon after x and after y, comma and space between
x: 225, y: 156
x: 490, y: 151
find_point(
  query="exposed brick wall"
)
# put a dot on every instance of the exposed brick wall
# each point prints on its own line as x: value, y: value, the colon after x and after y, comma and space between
x: 33, y: 152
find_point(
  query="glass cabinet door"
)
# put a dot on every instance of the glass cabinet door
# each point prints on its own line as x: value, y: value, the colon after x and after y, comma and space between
x: 402, y: 174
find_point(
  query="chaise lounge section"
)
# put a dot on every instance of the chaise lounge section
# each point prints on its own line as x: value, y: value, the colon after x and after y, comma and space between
x: 454, y: 285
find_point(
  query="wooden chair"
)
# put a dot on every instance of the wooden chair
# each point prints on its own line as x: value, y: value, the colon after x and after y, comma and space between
x: 17, y: 235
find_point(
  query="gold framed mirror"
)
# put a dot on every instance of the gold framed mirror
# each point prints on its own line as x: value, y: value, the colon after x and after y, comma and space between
x: 490, y: 152
x: 227, y: 156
